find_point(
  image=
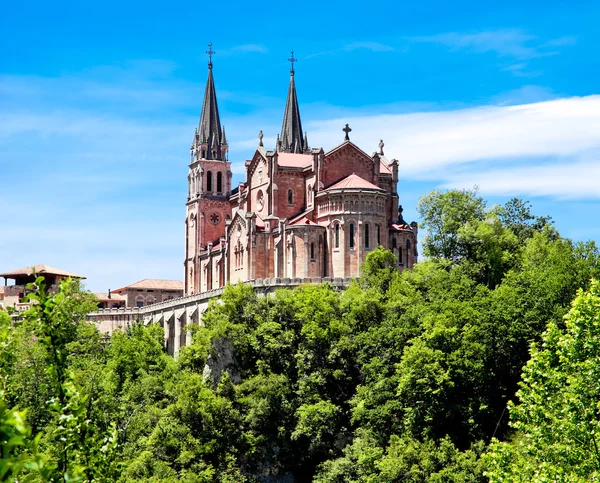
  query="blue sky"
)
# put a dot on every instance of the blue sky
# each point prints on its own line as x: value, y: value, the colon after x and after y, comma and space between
x: 98, y: 104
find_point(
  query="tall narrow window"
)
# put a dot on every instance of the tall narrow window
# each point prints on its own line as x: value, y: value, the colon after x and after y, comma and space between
x: 209, y: 181
x: 407, y: 244
x: 367, y: 235
x: 337, y: 235
x: 309, y: 195
x: 312, y: 251
x: 378, y: 235
x: 290, y: 197
x: 393, y: 244
x: 219, y: 182
x: 351, y: 235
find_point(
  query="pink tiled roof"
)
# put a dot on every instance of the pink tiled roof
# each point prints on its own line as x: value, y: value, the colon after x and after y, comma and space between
x: 39, y: 269
x: 154, y: 284
x: 384, y: 168
x: 115, y: 297
x: 260, y: 223
x: 290, y: 160
x: 303, y: 221
x: 354, y: 182
x: 403, y: 226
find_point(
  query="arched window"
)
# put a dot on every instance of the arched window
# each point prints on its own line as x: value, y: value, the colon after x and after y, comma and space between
x: 312, y: 251
x: 219, y: 182
x: 351, y: 235
x: 408, y: 244
x: 290, y: 197
x: 393, y: 244
x: 209, y: 181
x: 378, y: 235
x: 367, y: 235
x: 309, y: 195
x: 337, y: 235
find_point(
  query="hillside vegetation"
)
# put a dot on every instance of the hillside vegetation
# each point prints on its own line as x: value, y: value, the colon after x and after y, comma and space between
x: 404, y: 377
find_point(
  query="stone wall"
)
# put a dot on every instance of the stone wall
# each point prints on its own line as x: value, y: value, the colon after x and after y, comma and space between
x: 175, y: 314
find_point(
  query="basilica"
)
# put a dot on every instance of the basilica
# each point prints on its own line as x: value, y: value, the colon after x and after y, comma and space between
x: 301, y: 212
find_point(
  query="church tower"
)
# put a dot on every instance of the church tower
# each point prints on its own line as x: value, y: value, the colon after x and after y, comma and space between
x: 209, y: 186
x: 291, y: 139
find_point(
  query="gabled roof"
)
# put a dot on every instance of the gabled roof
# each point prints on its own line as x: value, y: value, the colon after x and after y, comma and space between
x: 290, y: 160
x: 40, y: 270
x: 354, y: 182
x: 153, y: 284
x: 114, y: 297
x: 343, y: 145
x: 400, y: 227
x: 303, y: 221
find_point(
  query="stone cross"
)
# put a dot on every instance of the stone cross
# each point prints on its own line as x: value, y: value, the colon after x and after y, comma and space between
x: 347, y: 130
x: 292, y: 59
x: 210, y: 53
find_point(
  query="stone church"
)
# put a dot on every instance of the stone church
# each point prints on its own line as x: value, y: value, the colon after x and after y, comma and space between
x: 301, y: 213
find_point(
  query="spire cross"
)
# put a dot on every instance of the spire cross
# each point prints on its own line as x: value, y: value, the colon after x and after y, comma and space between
x: 292, y: 59
x: 210, y: 53
x: 347, y: 130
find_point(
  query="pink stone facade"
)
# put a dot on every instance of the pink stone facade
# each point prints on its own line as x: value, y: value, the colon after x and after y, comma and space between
x: 304, y: 214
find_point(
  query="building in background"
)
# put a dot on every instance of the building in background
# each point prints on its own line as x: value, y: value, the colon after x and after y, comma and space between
x: 147, y: 292
x: 301, y: 213
x: 110, y: 300
x: 13, y: 295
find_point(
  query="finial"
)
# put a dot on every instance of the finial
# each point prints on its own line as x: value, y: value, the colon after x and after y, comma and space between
x: 381, y: 145
x: 347, y: 130
x: 278, y: 147
x: 210, y: 53
x: 260, y: 138
x: 292, y: 59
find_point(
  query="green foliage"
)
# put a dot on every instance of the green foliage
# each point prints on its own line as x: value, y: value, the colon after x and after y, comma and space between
x: 402, y: 377
x: 556, y: 418
x: 444, y: 214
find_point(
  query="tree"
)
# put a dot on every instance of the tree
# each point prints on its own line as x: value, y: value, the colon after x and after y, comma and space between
x: 443, y: 215
x: 556, y: 418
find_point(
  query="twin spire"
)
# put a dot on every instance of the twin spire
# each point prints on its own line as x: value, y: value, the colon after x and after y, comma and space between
x: 291, y: 139
x: 209, y: 140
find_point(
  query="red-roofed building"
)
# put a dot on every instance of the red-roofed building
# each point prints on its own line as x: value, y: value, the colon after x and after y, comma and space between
x: 300, y: 212
x: 13, y: 295
x: 145, y: 292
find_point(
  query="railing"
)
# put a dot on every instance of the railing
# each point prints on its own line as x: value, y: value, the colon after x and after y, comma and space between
x: 267, y: 284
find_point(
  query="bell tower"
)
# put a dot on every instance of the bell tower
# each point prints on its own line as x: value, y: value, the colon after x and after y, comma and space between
x: 209, y: 185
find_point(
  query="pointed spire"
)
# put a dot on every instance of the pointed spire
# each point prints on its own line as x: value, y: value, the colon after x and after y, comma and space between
x: 291, y: 129
x: 209, y: 129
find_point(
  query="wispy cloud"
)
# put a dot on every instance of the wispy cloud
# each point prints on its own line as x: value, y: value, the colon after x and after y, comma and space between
x: 353, y: 46
x: 514, y: 44
x: 433, y: 145
x: 372, y: 46
x: 94, y: 183
x: 561, y: 180
x: 245, y: 49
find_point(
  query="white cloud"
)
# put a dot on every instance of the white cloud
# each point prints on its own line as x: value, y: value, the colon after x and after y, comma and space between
x: 504, y: 42
x: 567, y: 180
x: 372, y: 46
x: 428, y: 144
x: 367, y: 45
x: 102, y: 191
